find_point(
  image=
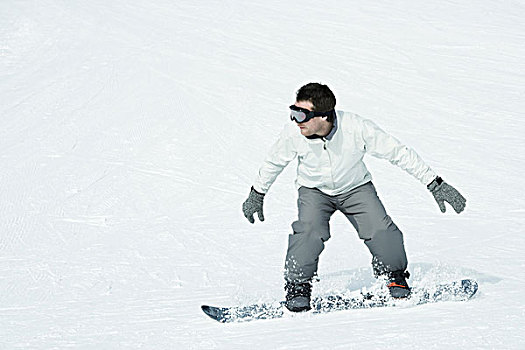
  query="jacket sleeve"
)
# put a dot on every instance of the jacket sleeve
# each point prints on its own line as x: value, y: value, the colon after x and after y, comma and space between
x: 281, y: 153
x: 382, y: 145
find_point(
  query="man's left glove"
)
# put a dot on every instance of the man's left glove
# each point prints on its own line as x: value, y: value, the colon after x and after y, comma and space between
x: 444, y: 192
x: 254, y: 204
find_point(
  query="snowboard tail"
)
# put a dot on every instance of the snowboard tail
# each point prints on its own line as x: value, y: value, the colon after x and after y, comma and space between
x: 460, y: 290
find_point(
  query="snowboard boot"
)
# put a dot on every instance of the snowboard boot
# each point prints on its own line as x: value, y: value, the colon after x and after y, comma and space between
x: 298, y: 296
x: 397, y: 284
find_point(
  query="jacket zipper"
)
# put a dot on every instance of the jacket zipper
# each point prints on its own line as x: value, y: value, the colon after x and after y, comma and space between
x: 330, y: 161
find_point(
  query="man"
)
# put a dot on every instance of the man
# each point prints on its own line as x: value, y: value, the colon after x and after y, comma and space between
x: 331, y: 175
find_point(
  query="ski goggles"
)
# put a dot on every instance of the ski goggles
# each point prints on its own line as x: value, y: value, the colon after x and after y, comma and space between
x: 302, y: 115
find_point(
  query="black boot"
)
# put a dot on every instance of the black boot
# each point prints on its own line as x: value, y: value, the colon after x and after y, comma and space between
x: 298, y: 296
x: 397, y: 284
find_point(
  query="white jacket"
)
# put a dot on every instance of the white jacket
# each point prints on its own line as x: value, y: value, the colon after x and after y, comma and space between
x: 334, y: 164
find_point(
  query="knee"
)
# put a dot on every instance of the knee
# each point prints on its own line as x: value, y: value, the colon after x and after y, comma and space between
x: 378, y: 228
x: 314, y: 229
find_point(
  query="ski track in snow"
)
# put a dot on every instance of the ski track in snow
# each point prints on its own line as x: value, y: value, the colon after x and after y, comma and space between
x: 131, y: 133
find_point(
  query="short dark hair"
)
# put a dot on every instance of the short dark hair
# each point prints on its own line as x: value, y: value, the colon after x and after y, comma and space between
x: 320, y: 95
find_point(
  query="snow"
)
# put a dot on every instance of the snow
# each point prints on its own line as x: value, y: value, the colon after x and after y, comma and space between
x: 132, y: 131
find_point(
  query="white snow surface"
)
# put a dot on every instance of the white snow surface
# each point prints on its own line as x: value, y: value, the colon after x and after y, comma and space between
x: 131, y: 132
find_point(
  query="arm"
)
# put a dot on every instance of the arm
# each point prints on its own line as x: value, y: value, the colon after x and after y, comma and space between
x: 382, y: 145
x: 281, y: 153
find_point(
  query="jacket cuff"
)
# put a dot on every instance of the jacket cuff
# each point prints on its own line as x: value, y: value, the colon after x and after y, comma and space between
x: 435, y: 183
x: 258, y: 192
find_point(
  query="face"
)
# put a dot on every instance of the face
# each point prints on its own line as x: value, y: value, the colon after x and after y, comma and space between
x: 317, y: 125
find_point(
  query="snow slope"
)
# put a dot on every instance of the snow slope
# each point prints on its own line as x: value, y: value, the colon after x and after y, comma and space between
x: 131, y: 133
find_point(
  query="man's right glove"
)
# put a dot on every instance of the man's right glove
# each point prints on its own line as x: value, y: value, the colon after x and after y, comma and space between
x: 444, y: 192
x: 254, y: 204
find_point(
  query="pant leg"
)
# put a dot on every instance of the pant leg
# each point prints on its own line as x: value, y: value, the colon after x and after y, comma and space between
x: 310, y: 232
x: 383, y: 238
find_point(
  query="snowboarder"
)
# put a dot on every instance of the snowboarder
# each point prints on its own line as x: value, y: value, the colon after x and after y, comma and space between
x: 331, y: 175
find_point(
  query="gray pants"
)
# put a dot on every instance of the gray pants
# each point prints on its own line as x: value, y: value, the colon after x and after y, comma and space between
x: 366, y: 213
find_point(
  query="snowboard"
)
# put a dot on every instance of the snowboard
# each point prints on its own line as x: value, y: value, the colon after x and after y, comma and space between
x: 460, y: 290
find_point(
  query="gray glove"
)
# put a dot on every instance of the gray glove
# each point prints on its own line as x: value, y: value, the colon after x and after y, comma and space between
x: 254, y: 204
x: 444, y: 192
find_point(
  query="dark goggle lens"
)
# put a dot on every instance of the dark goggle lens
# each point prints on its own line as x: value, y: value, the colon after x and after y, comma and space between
x: 302, y: 115
x: 298, y: 116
